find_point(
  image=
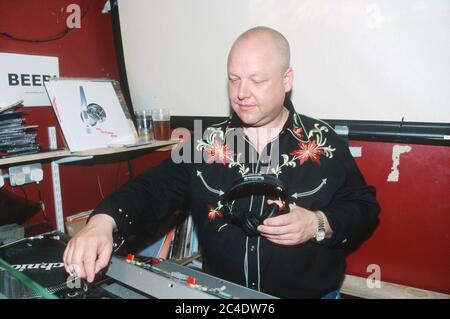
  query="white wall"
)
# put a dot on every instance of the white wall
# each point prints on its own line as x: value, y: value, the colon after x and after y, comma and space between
x: 354, y: 59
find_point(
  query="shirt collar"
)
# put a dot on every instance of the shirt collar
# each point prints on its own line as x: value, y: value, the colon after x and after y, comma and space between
x: 294, y: 125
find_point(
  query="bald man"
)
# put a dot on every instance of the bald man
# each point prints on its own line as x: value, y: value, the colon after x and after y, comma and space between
x: 297, y: 252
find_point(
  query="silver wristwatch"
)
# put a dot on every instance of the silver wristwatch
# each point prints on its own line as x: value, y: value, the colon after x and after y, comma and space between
x: 320, y: 232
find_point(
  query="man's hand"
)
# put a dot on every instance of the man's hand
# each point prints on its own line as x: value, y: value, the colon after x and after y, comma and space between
x: 89, y: 250
x: 293, y: 228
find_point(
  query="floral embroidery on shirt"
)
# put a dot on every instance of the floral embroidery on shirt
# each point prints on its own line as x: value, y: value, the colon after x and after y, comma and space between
x: 321, y: 140
x: 311, y: 150
x: 298, y: 131
x: 214, y: 212
x: 308, y: 151
x: 312, y: 146
x: 216, y: 149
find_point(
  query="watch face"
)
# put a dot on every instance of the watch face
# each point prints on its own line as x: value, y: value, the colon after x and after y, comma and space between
x: 320, y: 235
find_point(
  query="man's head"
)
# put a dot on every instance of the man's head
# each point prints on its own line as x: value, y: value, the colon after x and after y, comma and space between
x: 259, y: 76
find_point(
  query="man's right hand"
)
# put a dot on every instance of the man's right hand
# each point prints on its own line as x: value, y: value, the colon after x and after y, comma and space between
x: 90, y: 249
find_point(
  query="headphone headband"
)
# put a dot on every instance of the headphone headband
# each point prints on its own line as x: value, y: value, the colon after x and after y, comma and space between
x: 256, y: 181
x: 254, y: 184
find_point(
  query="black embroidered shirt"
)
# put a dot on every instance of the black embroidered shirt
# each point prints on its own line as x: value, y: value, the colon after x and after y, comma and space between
x: 316, y: 168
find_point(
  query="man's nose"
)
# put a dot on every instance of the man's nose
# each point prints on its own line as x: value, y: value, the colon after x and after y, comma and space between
x: 243, y: 90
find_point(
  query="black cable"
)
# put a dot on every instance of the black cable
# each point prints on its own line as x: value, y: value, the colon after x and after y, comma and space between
x: 50, y: 38
x: 41, y: 202
x: 24, y: 192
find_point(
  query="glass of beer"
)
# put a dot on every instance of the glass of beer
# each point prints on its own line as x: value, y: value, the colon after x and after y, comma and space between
x: 161, y: 124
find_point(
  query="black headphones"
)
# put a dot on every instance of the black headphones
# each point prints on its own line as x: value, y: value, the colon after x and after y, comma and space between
x: 253, y: 184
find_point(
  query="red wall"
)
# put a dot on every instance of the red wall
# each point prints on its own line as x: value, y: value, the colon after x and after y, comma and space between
x: 85, y: 52
x: 412, y: 242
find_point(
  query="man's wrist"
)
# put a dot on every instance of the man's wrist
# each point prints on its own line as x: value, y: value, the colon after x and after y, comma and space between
x: 104, y: 220
x: 328, y: 229
x: 320, y: 232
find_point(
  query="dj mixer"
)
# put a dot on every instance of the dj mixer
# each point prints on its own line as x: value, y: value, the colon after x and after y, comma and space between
x: 33, y: 268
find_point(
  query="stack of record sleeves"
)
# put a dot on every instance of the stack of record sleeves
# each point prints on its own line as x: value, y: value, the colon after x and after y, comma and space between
x: 16, y: 137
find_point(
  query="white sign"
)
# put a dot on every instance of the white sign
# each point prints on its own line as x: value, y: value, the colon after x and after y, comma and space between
x: 22, y: 77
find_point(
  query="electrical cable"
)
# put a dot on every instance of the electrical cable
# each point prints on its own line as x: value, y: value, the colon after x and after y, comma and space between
x: 52, y: 37
x: 24, y: 193
x: 100, y: 187
x: 41, y: 202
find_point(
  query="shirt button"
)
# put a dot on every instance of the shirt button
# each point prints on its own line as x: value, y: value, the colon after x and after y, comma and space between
x: 252, y: 248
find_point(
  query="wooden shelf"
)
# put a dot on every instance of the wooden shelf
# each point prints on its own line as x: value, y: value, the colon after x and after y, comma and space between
x: 52, y: 155
x: 358, y: 287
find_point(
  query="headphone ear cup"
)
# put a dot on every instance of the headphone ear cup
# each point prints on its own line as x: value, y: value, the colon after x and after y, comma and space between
x: 252, y: 220
x: 270, y: 211
x: 250, y: 224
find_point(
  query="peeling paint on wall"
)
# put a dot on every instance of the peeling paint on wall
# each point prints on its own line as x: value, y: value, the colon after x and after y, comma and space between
x: 397, y: 150
x: 356, y: 151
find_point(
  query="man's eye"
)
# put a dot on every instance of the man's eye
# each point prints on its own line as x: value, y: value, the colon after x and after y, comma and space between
x: 258, y: 81
x: 233, y: 80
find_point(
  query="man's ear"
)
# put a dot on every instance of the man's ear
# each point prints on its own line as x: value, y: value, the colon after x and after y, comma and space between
x: 288, y: 77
